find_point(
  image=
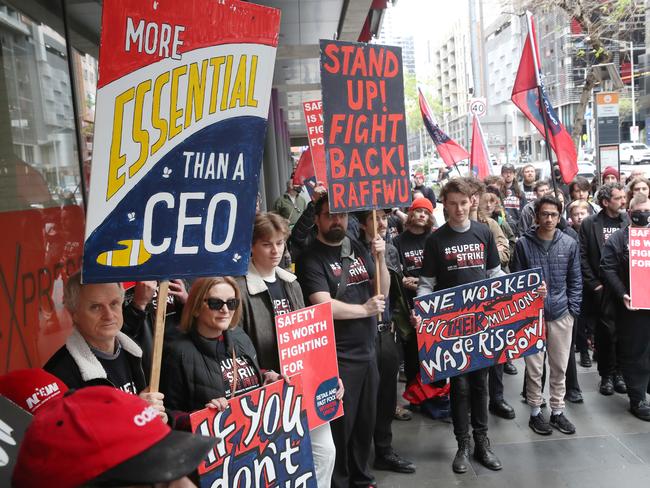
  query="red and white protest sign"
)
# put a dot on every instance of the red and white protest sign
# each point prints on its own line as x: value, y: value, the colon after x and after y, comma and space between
x: 315, y: 134
x: 306, y: 345
x: 640, y: 267
x: 263, y: 440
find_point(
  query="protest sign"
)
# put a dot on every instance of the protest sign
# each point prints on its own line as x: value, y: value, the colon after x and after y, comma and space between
x: 315, y: 135
x: 263, y: 440
x: 639, y: 247
x: 306, y: 345
x: 182, y: 104
x: 13, y: 424
x: 481, y: 324
x: 365, y: 129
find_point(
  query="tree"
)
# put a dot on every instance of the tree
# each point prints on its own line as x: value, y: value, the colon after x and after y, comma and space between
x: 597, y: 19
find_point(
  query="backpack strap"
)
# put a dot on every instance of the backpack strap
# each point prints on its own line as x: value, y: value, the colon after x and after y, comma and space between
x: 346, y: 261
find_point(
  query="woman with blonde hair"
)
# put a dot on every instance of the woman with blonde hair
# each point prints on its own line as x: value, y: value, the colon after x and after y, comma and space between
x: 268, y: 290
x: 213, y: 360
x: 637, y: 185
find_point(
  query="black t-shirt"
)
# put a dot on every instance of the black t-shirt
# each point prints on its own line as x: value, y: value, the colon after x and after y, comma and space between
x: 456, y: 258
x: 247, y: 379
x: 395, y: 227
x: 529, y: 192
x: 319, y: 270
x: 279, y: 299
x: 118, y: 369
x: 610, y: 226
x: 411, y: 251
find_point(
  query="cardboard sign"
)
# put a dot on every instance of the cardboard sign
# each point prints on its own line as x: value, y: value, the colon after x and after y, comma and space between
x: 13, y: 424
x: 639, y: 246
x: 264, y: 440
x: 478, y: 325
x: 306, y: 345
x: 365, y: 127
x: 316, y: 136
x: 182, y: 104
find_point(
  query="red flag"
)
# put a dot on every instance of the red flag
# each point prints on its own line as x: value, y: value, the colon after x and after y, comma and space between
x: 526, y: 96
x: 480, y: 158
x: 449, y: 150
x: 305, y: 168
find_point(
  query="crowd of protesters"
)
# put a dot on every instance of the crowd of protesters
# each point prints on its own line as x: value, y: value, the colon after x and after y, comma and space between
x: 220, y: 338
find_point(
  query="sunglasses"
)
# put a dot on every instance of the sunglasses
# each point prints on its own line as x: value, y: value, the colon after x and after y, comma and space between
x: 218, y: 303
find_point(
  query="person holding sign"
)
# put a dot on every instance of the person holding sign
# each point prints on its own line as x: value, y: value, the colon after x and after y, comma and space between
x: 214, y: 360
x: 547, y: 247
x: 633, y: 326
x: 339, y: 269
x: 97, y: 352
x: 267, y: 291
x: 460, y: 252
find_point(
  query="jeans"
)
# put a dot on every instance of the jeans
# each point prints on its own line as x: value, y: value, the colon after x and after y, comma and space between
x: 469, y: 395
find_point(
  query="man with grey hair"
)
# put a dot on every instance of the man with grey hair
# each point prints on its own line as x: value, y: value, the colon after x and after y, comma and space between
x: 97, y: 353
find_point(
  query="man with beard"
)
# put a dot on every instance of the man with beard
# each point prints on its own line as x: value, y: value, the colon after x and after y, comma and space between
x: 633, y: 325
x: 410, y: 249
x: 594, y: 233
x: 460, y: 252
x: 337, y: 269
x: 528, y: 182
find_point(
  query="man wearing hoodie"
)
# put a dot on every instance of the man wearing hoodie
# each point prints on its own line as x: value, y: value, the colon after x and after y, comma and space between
x: 546, y: 247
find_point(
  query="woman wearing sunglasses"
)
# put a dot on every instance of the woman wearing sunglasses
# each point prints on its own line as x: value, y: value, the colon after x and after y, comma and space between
x: 267, y: 291
x: 197, y: 369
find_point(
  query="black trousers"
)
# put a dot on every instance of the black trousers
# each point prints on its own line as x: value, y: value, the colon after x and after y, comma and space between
x: 495, y: 383
x: 388, y: 365
x: 605, y: 343
x: 572, y: 369
x: 585, y: 331
x: 411, y: 362
x: 634, y: 346
x: 469, y: 396
x: 353, y: 432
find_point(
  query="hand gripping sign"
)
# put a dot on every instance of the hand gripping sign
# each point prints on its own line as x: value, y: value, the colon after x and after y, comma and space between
x: 182, y: 106
x: 481, y: 324
x: 264, y: 440
x: 365, y: 127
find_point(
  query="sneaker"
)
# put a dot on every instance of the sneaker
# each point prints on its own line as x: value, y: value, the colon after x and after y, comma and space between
x: 574, y: 396
x: 641, y: 411
x: 563, y: 424
x: 539, y: 425
x: 585, y: 360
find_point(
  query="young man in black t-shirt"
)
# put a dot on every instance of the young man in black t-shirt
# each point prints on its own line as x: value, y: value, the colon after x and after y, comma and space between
x: 354, y: 308
x: 460, y: 252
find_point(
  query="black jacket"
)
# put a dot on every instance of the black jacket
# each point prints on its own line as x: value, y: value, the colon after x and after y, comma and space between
x: 591, y: 244
x: 191, y: 372
x: 76, y: 365
x: 615, y: 264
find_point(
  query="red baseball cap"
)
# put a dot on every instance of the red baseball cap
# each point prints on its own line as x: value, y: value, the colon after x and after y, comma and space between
x: 30, y: 389
x: 424, y: 203
x: 104, y: 436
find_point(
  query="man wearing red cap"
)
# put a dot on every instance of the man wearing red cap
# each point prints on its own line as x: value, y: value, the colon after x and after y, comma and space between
x: 101, y: 436
x: 410, y: 248
x: 610, y: 175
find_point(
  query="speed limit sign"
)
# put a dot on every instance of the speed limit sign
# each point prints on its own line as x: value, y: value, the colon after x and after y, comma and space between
x: 478, y: 106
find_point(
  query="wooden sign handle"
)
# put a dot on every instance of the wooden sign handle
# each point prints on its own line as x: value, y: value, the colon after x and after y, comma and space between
x: 158, y: 336
x: 377, y: 269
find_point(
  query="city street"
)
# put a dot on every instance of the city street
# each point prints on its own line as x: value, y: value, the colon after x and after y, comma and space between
x: 610, y: 447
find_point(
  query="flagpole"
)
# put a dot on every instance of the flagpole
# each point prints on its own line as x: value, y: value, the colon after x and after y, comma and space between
x: 540, y: 94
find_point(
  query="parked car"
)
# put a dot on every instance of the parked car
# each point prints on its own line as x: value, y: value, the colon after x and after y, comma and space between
x: 586, y: 169
x: 634, y: 153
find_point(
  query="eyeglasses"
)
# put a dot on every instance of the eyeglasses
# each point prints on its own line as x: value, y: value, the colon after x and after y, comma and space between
x: 218, y: 303
x: 553, y: 215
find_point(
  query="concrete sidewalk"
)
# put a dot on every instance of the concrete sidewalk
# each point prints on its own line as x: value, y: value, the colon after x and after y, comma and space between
x: 611, y: 448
